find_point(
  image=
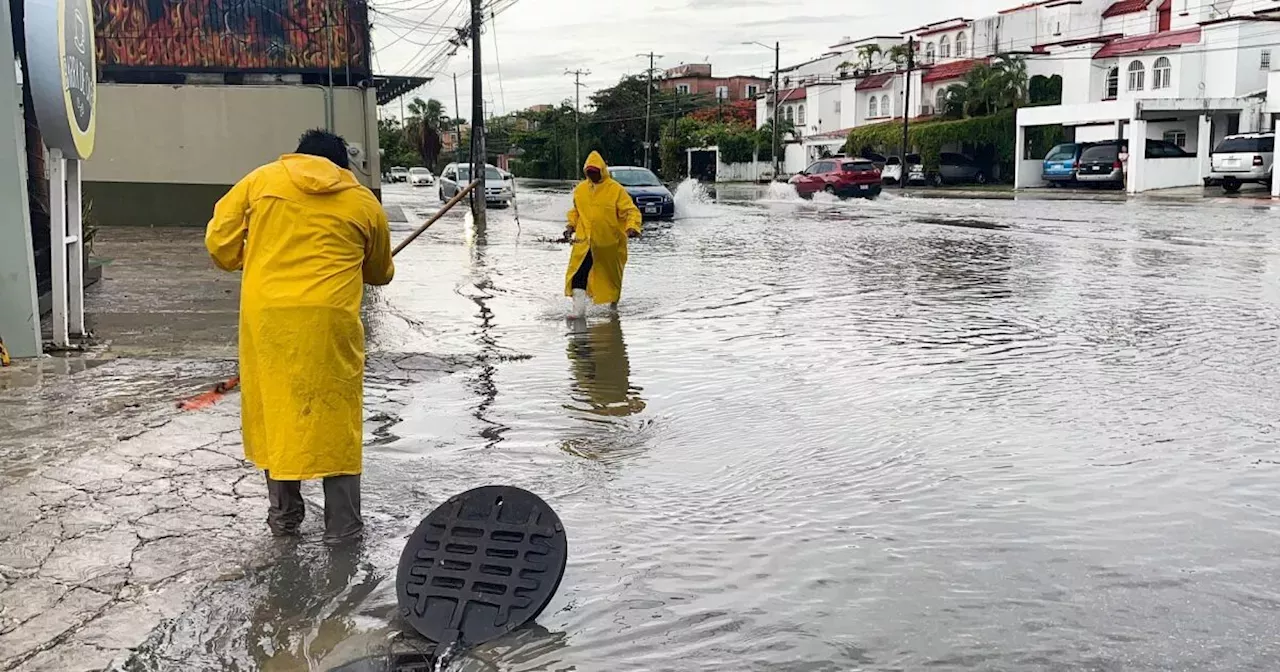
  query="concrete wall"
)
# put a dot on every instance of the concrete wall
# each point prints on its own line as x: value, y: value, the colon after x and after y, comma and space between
x: 1169, y: 173
x: 165, y: 153
x: 824, y: 109
x: 794, y: 159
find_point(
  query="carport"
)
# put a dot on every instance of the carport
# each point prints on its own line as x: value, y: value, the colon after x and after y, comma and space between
x: 1201, y: 119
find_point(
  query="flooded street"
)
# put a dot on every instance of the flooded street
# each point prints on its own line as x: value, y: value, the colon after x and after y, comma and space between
x: 889, y: 435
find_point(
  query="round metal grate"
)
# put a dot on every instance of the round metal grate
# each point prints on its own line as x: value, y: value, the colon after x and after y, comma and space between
x: 481, y: 565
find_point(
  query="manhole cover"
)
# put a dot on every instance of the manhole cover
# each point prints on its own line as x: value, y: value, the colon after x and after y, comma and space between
x: 481, y: 565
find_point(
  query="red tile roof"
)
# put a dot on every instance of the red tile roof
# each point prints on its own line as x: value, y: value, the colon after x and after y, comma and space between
x: 1152, y: 42
x: 952, y: 70
x: 1126, y: 7
x: 792, y: 95
x: 874, y: 82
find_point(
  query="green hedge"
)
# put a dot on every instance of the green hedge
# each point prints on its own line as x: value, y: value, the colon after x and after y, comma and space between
x: 927, y: 138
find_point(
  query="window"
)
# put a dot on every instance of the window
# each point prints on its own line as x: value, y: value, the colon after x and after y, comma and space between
x: 1265, y: 59
x: 940, y: 103
x: 884, y: 106
x: 722, y: 93
x: 873, y: 108
x: 962, y: 46
x: 752, y: 91
x: 800, y: 116
x: 1176, y: 137
x: 682, y: 89
x: 930, y: 51
x: 837, y: 107
x: 1137, y: 76
x: 1162, y: 74
x: 791, y: 114
x: 1113, y: 84
x: 944, y: 47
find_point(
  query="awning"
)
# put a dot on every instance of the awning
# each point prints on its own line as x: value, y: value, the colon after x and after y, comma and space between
x: 391, y: 87
x: 875, y: 82
x: 952, y: 70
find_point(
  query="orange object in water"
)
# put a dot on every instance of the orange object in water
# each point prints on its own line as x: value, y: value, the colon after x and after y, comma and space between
x: 207, y: 399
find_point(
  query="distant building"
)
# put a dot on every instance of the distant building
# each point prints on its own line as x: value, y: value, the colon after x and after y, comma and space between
x: 449, y: 139
x: 541, y: 108
x: 696, y: 79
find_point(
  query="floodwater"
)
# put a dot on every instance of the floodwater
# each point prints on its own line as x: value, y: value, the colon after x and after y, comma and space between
x: 895, y: 435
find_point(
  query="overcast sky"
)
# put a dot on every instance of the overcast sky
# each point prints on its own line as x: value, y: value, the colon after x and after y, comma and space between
x: 538, y: 40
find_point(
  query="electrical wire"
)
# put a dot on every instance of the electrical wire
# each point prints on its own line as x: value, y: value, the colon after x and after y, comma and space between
x: 493, y: 21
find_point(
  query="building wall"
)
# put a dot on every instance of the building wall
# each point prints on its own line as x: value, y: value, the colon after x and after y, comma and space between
x: 165, y: 154
x: 824, y: 108
x: 1138, y: 23
x: 737, y: 86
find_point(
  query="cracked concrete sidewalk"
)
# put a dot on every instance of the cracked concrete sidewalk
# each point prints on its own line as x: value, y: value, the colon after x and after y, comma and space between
x: 119, y: 508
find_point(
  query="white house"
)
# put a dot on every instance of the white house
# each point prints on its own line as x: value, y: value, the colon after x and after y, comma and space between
x: 1187, y: 83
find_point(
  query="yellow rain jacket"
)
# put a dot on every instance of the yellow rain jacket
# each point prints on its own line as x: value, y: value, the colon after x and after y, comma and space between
x: 307, y: 236
x: 602, y: 215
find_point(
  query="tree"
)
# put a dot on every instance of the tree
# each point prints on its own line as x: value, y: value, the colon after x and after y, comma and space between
x: 867, y: 54
x: 423, y: 128
x: 898, y: 54
x: 1011, y: 73
x: 989, y: 88
x: 396, y: 151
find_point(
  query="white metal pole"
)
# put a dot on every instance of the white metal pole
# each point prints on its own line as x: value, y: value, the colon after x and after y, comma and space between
x: 75, y: 250
x: 58, y: 243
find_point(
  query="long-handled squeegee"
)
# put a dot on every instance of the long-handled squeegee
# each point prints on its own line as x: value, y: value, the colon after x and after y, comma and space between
x: 206, y: 399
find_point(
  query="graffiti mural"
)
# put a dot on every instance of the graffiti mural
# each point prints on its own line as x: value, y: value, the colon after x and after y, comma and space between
x: 231, y: 35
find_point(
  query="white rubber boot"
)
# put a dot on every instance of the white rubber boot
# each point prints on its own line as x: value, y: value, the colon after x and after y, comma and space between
x: 579, y: 304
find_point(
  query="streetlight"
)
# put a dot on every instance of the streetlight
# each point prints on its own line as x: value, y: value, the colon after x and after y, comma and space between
x: 777, y: 66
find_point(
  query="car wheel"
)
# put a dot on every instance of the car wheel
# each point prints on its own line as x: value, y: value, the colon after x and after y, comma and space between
x: 830, y: 190
x: 980, y: 178
x: 1231, y: 185
x: 442, y: 198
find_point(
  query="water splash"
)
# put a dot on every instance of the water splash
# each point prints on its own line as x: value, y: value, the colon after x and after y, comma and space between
x: 694, y: 200
x: 781, y: 192
x: 825, y: 198
x: 445, y: 659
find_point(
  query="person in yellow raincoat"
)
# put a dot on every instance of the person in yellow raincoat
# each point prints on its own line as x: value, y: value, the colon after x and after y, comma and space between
x: 603, y: 217
x: 308, y: 237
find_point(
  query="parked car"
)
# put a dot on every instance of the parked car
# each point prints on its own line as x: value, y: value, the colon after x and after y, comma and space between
x: 421, y: 177
x: 399, y: 174
x: 879, y: 159
x: 954, y: 168
x: 839, y: 177
x: 1060, y: 163
x: 499, y: 190
x: 1101, y: 163
x: 647, y: 191
x: 1246, y: 157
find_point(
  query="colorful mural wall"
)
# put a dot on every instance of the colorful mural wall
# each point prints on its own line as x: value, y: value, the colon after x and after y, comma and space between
x: 232, y: 35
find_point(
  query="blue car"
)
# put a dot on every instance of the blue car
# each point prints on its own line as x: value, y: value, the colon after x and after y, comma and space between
x: 647, y: 192
x: 1061, y: 162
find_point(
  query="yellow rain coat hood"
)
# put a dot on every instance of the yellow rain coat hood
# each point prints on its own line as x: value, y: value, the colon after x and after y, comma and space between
x: 601, y: 216
x: 308, y: 236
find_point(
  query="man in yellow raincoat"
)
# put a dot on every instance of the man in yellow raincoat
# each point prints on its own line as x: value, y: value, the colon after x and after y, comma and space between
x: 603, y: 217
x: 308, y: 237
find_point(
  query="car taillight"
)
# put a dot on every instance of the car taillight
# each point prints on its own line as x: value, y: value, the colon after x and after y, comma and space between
x: 1117, y: 165
x: 1257, y: 160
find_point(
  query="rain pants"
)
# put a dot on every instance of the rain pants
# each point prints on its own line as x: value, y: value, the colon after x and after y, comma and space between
x: 308, y: 237
x: 602, y: 215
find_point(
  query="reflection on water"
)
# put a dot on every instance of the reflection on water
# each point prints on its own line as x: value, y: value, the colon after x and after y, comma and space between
x: 601, y: 371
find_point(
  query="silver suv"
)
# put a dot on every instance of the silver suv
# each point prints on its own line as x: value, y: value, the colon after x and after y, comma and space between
x: 499, y: 185
x: 1246, y: 157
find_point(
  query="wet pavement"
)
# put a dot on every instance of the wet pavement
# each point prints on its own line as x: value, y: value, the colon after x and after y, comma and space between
x: 892, y: 435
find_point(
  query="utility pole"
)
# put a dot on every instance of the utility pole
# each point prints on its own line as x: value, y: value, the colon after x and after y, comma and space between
x: 477, y: 121
x: 906, y: 112
x: 577, y: 100
x: 457, y: 114
x: 777, y: 106
x: 648, y: 112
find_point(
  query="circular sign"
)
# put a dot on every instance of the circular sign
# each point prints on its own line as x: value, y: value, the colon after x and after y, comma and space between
x: 481, y: 565
x: 62, y: 62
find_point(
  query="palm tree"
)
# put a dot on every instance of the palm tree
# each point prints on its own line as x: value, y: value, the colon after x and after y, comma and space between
x: 867, y: 55
x: 1014, y: 83
x: 898, y: 53
x: 423, y: 128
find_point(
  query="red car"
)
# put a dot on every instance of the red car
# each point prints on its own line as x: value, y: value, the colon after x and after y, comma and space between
x: 839, y: 177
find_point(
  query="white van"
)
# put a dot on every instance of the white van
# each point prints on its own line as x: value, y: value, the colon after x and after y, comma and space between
x: 1246, y: 157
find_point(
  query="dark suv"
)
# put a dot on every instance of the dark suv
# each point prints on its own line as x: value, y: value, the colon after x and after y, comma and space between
x: 839, y: 177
